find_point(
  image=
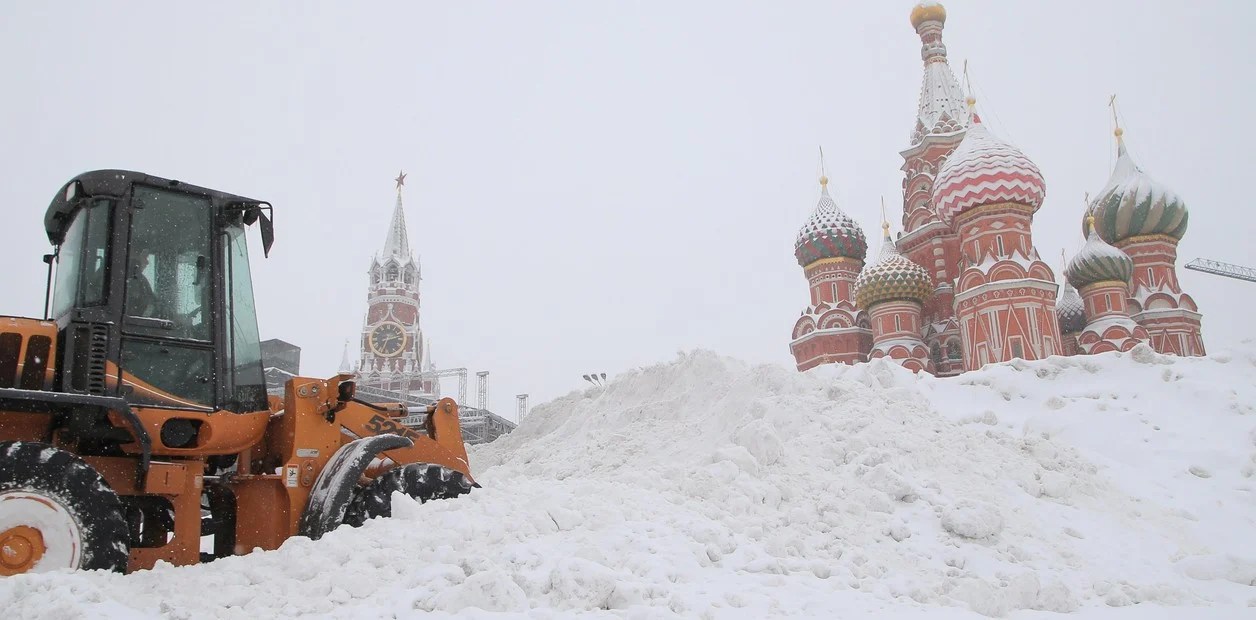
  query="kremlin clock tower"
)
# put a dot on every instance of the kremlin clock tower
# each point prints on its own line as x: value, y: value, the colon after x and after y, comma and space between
x: 394, y: 352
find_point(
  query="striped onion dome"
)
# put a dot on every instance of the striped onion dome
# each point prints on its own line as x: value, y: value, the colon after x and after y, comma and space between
x: 1133, y: 204
x: 1070, y: 311
x: 1098, y: 262
x: 829, y: 233
x: 893, y: 277
x: 985, y: 170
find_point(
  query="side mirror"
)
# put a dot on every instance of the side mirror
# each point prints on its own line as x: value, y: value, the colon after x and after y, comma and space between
x: 268, y: 233
x: 251, y: 213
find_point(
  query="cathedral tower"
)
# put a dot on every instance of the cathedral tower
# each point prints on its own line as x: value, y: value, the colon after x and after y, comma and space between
x: 393, y: 350
x: 941, y: 120
x: 1102, y: 274
x: 987, y: 192
x: 1146, y: 220
x: 830, y: 248
x: 1070, y: 312
x: 891, y: 290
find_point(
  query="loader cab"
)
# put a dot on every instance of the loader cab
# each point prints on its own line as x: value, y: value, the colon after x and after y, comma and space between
x: 153, y: 297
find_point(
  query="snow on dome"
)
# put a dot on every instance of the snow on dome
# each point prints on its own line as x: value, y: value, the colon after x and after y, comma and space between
x: 893, y: 277
x: 829, y: 233
x: 929, y: 10
x: 985, y: 170
x: 1133, y: 204
x: 1070, y: 311
x: 1098, y: 262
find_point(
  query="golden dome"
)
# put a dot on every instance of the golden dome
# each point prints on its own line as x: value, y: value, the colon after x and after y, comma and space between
x: 929, y: 10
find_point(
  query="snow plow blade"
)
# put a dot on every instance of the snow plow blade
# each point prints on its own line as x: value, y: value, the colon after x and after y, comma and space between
x: 334, y: 488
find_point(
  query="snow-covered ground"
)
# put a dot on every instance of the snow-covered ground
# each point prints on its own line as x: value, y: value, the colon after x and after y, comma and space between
x: 1115, y: 486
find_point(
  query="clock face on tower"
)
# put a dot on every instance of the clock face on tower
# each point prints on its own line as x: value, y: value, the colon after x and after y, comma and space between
x: 388, y: 339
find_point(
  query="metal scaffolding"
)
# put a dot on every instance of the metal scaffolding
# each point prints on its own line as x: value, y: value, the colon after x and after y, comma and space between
x: 481, y: 388
x: 521, y: 406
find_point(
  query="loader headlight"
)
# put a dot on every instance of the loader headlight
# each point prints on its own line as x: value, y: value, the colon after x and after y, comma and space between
x: 346, y: 391
x: 179, y: 432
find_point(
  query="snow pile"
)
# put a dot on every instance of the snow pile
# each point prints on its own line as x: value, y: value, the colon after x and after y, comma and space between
x: 706, y: 487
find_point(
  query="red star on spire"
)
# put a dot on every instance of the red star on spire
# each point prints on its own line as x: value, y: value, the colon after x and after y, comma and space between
x: 401, y: 179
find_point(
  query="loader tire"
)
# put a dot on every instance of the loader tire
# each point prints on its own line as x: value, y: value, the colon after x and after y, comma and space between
x: 421, y: 481
x: 56, y: 512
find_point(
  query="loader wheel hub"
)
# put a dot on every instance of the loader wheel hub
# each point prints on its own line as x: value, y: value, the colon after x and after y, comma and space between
x: 21, y: 548
x: 37, y: 534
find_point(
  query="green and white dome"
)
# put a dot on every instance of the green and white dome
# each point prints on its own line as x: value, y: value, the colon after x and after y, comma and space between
x: 1098, y: 262
x: 1133, y: 204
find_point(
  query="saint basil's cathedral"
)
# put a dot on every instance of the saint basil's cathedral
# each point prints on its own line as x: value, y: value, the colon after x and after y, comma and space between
x: 963, y: 286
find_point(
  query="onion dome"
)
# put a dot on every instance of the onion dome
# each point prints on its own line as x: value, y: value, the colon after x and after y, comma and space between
x: 829, y: 233
x: 893, y: 277
x: 927, y: 11
x: 985, y: 170
x: 1070, y: 311
x: 1133, y: 204
x: 1098, y: 262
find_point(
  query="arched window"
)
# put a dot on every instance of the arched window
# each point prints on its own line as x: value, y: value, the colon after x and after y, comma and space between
x: 935, y: 353
x: 952, y: 350
x: 392, y: 272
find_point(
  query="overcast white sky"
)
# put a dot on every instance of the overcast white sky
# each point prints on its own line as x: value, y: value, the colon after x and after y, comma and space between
x: 595, y: 186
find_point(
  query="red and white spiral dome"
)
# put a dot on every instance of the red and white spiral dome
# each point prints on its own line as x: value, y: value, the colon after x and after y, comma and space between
x: 985, y: 170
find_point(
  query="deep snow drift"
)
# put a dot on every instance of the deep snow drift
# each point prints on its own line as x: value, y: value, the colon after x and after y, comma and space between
x: 1121, y: 485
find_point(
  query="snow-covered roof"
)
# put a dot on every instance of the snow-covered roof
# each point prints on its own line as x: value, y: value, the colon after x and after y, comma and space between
x: 1097, y: 261
x: 397, y: 243
x: 983, y: 170
x: 908, y: 342
x: 829, y: 233
x: 893, y: 277
x: 1134, y: 204
x: 1070, y: 311
x: 989, y: 260
x: 1103, y: 324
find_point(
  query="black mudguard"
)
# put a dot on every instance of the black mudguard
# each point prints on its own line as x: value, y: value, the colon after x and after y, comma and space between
x: 334, y: 487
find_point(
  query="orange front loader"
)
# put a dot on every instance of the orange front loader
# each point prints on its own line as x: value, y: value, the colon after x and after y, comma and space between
x: 134, y: 418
